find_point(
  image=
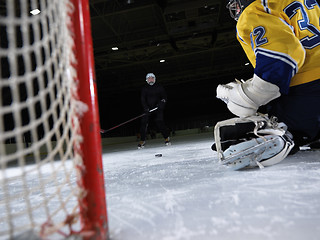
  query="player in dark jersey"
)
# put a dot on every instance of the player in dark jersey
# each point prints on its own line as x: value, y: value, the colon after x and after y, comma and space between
x: 153, y: 96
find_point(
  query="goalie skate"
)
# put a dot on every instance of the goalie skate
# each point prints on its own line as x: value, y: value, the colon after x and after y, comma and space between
x: 257, y: 141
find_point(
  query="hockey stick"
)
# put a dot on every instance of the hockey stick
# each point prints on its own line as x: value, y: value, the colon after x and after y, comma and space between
x: 130, y: 120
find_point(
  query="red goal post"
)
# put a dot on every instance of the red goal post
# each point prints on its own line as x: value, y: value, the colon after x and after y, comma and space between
x: 93, y: 213
x: 49, y: 110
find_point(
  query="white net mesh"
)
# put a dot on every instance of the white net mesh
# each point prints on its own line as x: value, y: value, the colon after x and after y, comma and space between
x: 38, y: 119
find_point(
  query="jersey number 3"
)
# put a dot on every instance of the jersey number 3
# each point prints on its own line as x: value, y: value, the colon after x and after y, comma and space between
x: 304, y: 23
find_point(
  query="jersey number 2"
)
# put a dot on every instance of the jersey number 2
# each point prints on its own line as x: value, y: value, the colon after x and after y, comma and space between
x: 259, y: 40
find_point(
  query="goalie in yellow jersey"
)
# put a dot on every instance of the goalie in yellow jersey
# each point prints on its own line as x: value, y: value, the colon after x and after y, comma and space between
x: 282, y: 41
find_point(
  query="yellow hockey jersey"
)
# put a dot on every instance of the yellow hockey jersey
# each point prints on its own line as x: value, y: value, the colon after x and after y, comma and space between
x: 282, y: 40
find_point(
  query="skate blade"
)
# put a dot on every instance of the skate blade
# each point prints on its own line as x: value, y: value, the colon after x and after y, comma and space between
x: 247, y: 154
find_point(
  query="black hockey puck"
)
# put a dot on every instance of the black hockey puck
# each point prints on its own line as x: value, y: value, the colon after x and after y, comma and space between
x: 158, y: 155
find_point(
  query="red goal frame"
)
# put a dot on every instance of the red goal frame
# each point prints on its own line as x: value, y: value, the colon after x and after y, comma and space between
x: 93, y: 207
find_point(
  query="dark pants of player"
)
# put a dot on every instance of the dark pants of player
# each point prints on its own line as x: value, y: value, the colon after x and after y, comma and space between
x: 300, y: 111
x: 158, y: 118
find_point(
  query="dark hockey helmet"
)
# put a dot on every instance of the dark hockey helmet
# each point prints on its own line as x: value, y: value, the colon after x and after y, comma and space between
x: 236, y: 7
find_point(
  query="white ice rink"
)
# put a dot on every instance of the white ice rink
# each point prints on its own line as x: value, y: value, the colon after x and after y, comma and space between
x: 187, y: 194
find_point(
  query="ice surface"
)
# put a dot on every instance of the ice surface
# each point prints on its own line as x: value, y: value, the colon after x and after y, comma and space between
x: 187, y: 194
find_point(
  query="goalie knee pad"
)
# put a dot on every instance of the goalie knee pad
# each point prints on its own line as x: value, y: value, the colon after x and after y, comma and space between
x: 251, y: 141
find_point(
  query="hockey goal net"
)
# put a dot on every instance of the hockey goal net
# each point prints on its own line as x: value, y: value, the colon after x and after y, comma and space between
x: 51, y: 176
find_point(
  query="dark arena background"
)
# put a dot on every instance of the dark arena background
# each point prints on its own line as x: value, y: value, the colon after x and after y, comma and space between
x: 190, y: 46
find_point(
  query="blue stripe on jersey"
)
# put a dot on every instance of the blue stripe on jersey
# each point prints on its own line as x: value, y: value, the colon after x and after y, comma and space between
x: 291, y: 27
x: 275, y: 67
x: 239, y: 36
x: 265, y: 6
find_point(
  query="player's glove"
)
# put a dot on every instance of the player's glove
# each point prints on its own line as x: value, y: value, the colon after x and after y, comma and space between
x: 244, y: 98
x: 161, y: 104
x: 146, y: 111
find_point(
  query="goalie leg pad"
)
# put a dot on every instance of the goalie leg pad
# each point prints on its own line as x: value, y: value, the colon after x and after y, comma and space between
x: 250, y: 142
x: 261, y: 152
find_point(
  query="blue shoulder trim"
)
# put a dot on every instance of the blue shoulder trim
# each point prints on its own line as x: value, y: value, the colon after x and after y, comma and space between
x: 240, y: 36
x: 265, y: 6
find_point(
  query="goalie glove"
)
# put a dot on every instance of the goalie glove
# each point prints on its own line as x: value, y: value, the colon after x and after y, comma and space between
x: 244, y: 98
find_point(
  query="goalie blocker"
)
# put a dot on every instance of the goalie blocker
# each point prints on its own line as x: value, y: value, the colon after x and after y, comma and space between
x: 251, y: 141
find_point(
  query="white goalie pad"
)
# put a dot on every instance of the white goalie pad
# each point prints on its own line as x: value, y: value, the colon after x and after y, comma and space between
x: 270, y: 143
